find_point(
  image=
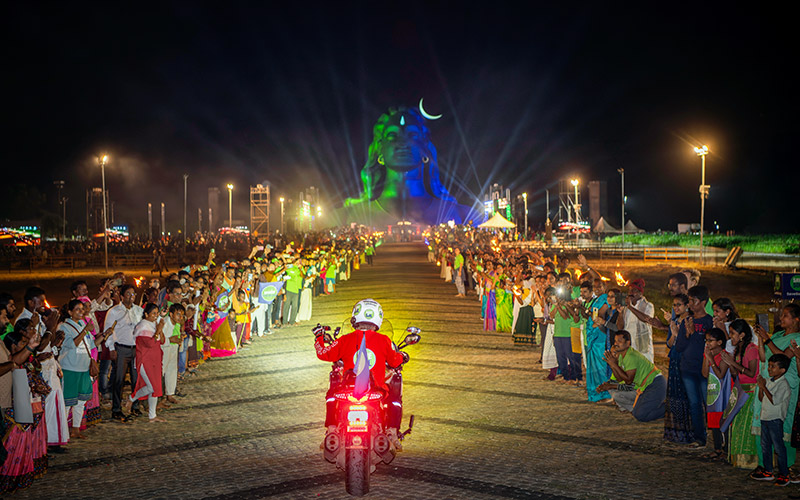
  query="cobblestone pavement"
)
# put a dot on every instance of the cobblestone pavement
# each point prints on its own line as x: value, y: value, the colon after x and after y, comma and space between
x: 487, y: 424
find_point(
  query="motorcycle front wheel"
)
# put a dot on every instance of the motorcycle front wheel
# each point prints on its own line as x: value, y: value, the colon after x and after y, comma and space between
x: 357, y: 472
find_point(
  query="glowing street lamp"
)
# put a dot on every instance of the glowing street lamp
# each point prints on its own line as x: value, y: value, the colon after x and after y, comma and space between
x: 702, y: 151
x: 525, y: 200
x: 230, y: 205
x: 282, y: 200
x: 575, y: 183
x: 102, y: 161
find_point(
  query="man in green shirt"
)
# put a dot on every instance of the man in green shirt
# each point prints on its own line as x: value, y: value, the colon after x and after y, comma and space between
x: 458, y: 269
x: 630, y: 367
x: 369, y: 251
x: 294, y: 281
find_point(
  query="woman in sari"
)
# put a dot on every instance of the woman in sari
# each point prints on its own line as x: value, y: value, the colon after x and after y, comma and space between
x: 490, y: 316
x: 25, y: 443
x: 677, y: 418
x: 523, y: 324
x: 149, y: 337
x: 219, y: 328
x: 597, y: 370
x: 742, y: 450
x: 505, y: 306
x: 780, y: 342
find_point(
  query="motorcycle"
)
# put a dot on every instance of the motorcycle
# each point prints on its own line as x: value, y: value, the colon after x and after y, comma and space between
x: 361, y: 441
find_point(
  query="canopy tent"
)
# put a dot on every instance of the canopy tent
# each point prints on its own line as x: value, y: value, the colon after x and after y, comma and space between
x: 630, y: 227
x: 498, y: 222
x: 603, y: 227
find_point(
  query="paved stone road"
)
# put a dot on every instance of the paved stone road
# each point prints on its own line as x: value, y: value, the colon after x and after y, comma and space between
x: 488, y: 425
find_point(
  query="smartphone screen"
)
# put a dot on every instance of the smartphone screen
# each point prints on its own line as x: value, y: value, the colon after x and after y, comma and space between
x: 763, y: 320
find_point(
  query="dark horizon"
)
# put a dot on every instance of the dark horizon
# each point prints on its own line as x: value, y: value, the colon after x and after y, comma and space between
x: 247, y: 95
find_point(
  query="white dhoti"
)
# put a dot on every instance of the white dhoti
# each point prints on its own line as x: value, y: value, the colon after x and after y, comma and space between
x: 549, y: 360
x: 169, y: 367
x: 304, y: 311
x: 54, y: 409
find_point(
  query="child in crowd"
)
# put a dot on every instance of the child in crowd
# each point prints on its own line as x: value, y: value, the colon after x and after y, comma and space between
x: 774, y: 396
x: 715, y: 369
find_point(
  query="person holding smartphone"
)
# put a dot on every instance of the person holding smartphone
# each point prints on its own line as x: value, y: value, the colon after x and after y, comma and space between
x: 780, y: 343
x: 75, y: 360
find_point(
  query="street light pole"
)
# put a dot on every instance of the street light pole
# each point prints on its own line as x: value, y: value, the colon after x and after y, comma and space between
x: 150, y: 221
x: 622, y: 173
x: 525, y: 200
x: 64, y: 218
x: 702, y: 152
x: 230, y: 205
x: 103, y: 162
x: 163, y: 221
x: 282, y: 200
x: 547, y: 194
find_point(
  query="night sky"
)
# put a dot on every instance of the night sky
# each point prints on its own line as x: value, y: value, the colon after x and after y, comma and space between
x: 248, y: 94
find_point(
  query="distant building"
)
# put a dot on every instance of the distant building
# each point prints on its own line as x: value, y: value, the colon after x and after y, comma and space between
x: 598, y: 201
x: 94, y: 211
x: 498, y: 199
x: 307, y: 209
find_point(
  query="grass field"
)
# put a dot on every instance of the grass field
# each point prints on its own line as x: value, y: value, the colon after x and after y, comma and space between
x: 765, y: 243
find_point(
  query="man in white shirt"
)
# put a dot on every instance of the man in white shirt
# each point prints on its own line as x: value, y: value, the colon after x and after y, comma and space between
x: 124, y: 317
x: 641, y: 331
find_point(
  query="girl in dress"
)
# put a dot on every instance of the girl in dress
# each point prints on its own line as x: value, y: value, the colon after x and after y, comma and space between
x: 742, y: 450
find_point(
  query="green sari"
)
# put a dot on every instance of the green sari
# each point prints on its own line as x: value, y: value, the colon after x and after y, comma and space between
x: 505, y: 310
x: 744, y: 450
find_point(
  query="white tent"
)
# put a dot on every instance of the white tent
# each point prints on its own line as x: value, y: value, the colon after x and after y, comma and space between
x: 603, y: 227
x: 630, y: 227
x: 498, y: 222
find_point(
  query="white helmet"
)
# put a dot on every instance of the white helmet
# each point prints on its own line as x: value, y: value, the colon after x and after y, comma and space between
x: 368, y: 311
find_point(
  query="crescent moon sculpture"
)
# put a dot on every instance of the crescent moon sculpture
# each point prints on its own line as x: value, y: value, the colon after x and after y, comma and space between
x: 425, y: 114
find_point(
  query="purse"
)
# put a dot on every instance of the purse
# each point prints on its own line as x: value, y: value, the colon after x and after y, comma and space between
x: 94, y: 368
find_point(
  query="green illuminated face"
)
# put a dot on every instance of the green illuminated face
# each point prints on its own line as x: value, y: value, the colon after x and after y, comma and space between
x: 401, y: 147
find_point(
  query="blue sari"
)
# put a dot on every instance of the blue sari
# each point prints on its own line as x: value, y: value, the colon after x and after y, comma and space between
x: 597, y: 370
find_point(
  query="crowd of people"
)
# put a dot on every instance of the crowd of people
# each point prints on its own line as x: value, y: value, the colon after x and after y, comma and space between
x: 133, y: 341
x: 725, y: 377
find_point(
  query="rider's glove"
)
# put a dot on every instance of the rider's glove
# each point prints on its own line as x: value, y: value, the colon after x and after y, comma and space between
x: 405, y: 356
x: 318, y: 330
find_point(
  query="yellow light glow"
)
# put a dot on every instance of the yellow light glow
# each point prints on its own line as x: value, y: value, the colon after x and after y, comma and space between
x: 525, y: 195
x: 281, y: 199
x: 575, y: 182
x: 702, y: 150
x: 230, y: 187
x: 105, y: 158
x: 621, y: 281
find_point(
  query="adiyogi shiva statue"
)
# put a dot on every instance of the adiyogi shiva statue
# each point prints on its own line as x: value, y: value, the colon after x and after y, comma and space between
x: 401, y: 177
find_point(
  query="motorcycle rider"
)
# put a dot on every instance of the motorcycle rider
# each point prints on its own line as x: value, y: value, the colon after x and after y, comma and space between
x: 366, y: 319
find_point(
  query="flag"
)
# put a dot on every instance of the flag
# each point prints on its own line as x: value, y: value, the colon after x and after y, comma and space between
x: 268, y: 291
x: 361, y: 370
